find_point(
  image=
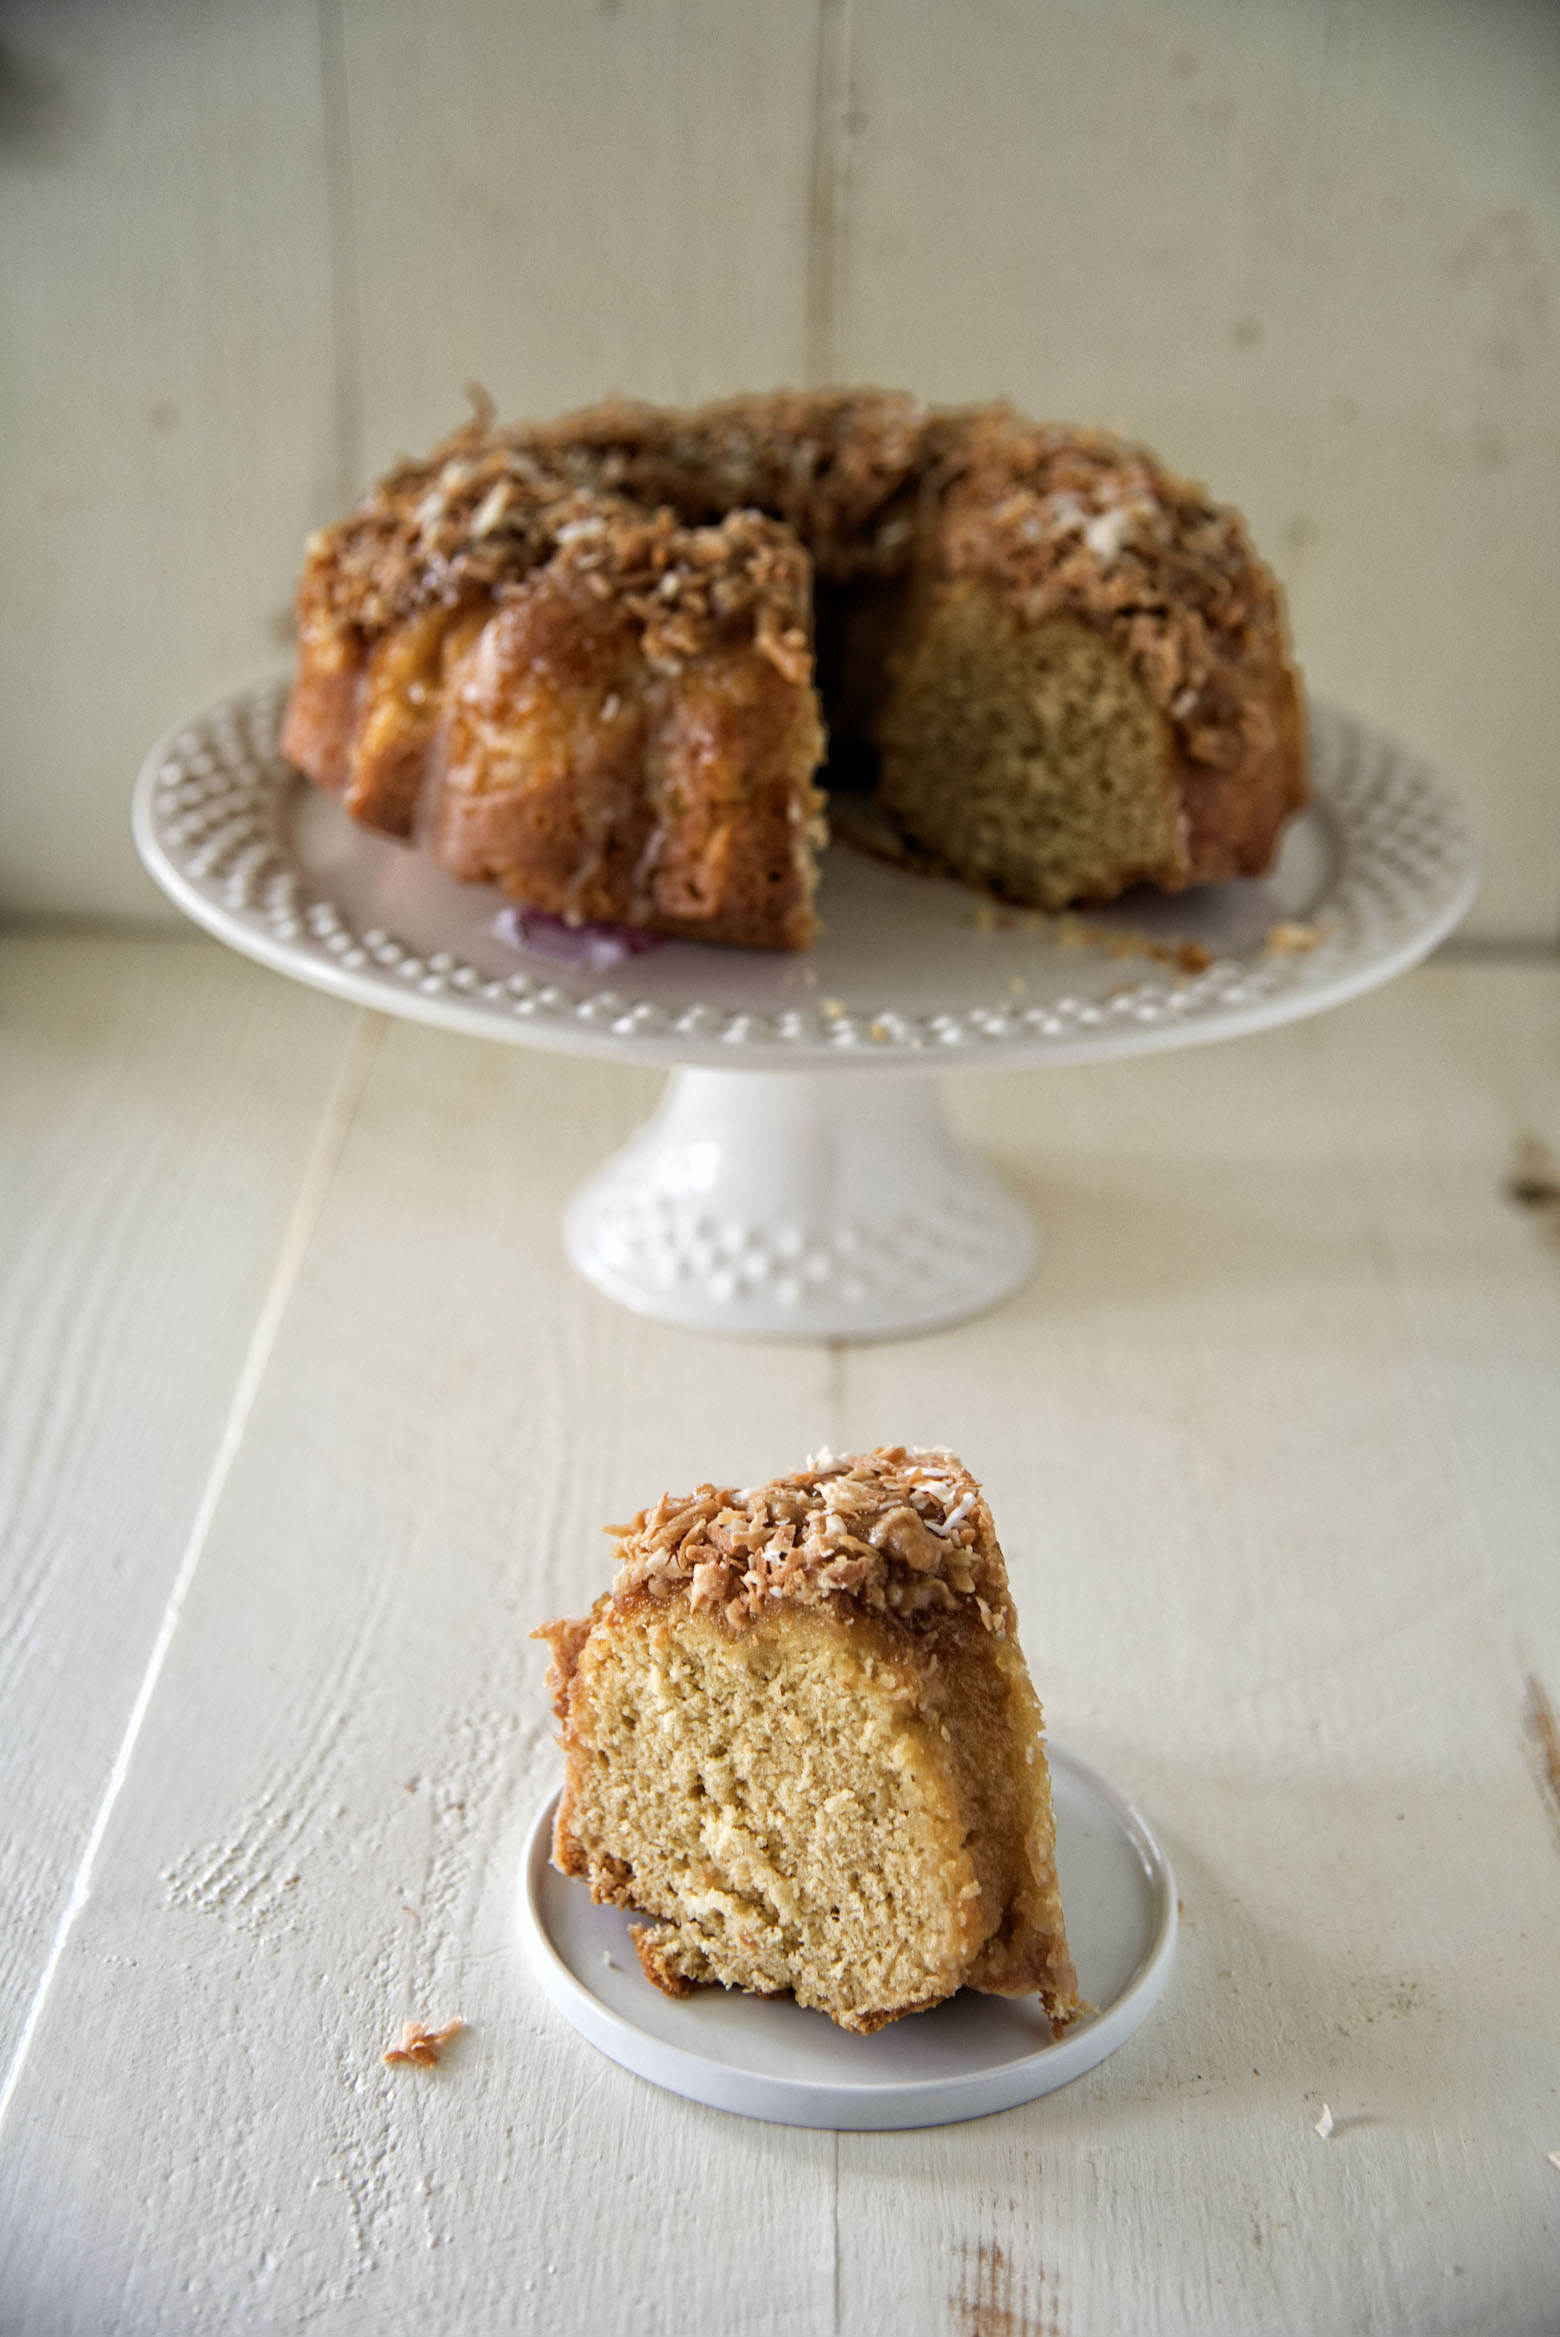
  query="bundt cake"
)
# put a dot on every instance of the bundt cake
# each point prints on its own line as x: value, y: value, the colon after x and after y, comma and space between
x: 802, y: 1741
x: 598, y: 662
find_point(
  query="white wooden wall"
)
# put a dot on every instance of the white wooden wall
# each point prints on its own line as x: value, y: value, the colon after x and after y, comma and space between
x: 251, y: 248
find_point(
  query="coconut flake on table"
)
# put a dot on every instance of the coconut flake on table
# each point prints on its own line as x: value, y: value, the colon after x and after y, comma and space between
x: 592, y: 945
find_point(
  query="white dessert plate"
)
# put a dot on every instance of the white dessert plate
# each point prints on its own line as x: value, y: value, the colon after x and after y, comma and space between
x: 910, y: 972
x: 765, y: 2058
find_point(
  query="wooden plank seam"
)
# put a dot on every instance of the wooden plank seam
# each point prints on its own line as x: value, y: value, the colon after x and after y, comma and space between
x: 827, y: 194
x: 1443, y: 1437
x: 318, y: 1176
x: 345, y: 303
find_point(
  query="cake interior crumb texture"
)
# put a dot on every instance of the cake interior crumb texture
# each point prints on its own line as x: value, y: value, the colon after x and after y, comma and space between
x: 808, y: 1786
x: 1061, y: 793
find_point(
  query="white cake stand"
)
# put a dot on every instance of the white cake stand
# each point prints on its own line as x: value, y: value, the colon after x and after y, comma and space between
x: 799, y: 1179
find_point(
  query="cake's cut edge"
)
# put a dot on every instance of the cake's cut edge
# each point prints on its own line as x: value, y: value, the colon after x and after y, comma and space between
x: 1028, y: 759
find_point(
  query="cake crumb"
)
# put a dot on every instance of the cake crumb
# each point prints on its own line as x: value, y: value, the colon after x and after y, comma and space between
x: 1554, y: 2158
x: 1184, y: 956
x: 609, y: 1960
x: 1289, y: 938
x: 420, y: 2045
x: 1324, y: 2124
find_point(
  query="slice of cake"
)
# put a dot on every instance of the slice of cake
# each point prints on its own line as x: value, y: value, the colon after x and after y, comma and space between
x: 802, y: 1740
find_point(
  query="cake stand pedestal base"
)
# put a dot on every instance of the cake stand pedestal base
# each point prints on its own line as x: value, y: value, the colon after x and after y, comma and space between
x: 800, y: 1205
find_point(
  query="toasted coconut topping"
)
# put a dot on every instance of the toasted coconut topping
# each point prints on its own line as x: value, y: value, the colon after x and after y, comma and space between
x: 1074, y: 522
x: 842, y: 467
x: 711, y: 522
x: 902, y: 1530
x: 485, y: 513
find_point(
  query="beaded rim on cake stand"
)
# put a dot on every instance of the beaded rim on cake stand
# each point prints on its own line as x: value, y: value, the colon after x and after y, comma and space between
x: 799, y: 1179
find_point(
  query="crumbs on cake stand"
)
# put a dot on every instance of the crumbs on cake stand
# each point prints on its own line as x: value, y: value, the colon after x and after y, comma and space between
x: 1287, y: 938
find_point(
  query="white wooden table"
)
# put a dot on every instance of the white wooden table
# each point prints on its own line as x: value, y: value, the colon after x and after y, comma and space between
x: 306, y: 1422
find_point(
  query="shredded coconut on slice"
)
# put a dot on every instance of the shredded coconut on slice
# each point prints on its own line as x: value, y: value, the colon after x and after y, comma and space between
x: 901, y: 1530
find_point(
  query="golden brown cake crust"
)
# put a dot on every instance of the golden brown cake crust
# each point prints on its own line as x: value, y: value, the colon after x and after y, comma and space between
x: 604, y: 711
